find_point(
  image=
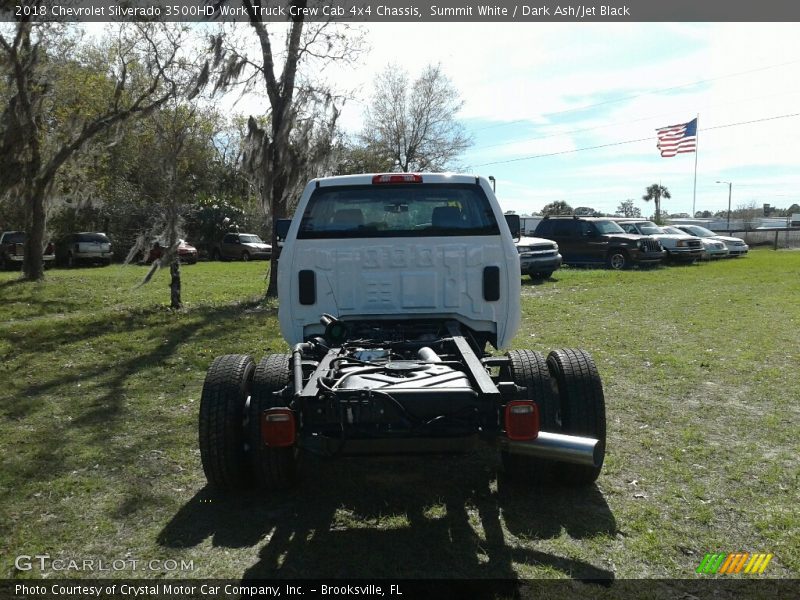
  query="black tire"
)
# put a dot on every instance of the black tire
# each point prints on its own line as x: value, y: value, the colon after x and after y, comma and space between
x: 222, y: 422
x: 541, y: 275
x: 617, y: 259
x: 581, y: 407
x: 245, y: 256
x: 71, y: 262
x: 274, y: 468
x: 215, y: 255
x: 528, y: 369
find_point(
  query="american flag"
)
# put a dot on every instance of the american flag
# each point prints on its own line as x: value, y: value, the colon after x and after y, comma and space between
x: 677, y: 139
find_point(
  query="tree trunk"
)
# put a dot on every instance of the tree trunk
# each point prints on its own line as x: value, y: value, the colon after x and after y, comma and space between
x: 278, y: 211
x: 32, y: 265
x: 175, y: 283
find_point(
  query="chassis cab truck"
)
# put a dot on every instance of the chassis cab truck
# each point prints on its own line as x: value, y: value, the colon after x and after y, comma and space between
x: 393, y: 290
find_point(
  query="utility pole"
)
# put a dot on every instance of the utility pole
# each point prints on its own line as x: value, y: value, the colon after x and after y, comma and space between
x: 730, y: 187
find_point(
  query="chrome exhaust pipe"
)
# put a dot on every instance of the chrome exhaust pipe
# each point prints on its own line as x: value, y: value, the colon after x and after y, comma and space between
x: 557, y: 446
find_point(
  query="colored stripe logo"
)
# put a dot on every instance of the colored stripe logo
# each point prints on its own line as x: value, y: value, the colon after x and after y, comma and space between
x: 738, y: 562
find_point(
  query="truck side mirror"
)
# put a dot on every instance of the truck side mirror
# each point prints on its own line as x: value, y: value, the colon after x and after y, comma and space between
x: 282, y: 228
x: 514, y: 225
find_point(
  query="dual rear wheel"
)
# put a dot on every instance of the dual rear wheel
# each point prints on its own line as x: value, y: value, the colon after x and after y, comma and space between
x: 235, y: 393
x: 569, y: 394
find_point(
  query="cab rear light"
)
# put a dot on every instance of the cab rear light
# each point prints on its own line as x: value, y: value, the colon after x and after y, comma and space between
x: 278, y: 427
x: 49, y: 249
x: 522, y: 420
x: 397, y: 178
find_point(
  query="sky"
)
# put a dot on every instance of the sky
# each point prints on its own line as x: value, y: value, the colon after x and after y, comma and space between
x: 560, y: 89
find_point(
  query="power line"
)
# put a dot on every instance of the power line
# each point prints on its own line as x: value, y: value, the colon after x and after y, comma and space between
x: 656, y: 91
x: 502, y: 162
x: 626, y: 122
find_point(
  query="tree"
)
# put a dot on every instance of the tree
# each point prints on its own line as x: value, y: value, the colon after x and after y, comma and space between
x: 141, y: 69
x: 586, y: 211
x: 559, y: 207
x: 415, y: 123
x: 296, y: 139
x: 351, y: 157
x: 656, y: 192
x: 626, y: 208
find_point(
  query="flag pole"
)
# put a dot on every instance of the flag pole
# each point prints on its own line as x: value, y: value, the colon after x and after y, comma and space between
x: 696, y: 152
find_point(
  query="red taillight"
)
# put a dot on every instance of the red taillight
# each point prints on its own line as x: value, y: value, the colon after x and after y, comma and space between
x: 522, y: 420
x: 277, y: 427
x: 49, y: 249
x: 397, y: 178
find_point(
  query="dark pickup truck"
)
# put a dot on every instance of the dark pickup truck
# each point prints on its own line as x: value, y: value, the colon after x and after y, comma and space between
x: 12, y: 250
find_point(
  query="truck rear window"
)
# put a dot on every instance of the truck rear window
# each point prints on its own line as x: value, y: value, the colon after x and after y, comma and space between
x: 14, y: 238
x: 404, y: 210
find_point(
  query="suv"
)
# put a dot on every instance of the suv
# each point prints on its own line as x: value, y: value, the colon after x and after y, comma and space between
x: 391, y: 287
x: 598, y: 240
x: 76, y: 248
x: 241, y: 246
x: 12, y: 250
x: 679, y: 247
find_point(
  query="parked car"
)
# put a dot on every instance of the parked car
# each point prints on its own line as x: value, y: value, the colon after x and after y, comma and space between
x: 680, y: 247
x: 186, y: 252
x: 711, y: 248
x: 598, y: 240
x: 12, y: 250
x: 86, y: 247
x: 538, y: 257
x: 241, y: 246
x: 736, y: 246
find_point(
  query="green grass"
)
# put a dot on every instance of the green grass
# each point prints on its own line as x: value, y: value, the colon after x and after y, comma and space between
x: 99, y: 391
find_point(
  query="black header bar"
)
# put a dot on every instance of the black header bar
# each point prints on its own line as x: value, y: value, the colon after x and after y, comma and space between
x: 406, y: 11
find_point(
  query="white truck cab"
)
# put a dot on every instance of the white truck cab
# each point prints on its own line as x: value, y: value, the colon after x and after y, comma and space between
x: 400, y: 247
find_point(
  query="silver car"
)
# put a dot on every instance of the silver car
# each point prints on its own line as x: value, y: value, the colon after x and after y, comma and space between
x: 736, y: 246
x: 711, y: 248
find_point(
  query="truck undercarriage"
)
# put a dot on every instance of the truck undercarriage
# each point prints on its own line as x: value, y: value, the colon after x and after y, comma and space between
x: 394, y: 387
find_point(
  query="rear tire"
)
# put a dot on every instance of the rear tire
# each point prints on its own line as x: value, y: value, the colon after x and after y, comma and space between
x: 274, y: 468
x: 245, y: 256
x: 529, y: 369
x: 221, y: 427
x: 215, y: 255
x: 541, y: 275
x: 581, y: 407
x: 71, y: 263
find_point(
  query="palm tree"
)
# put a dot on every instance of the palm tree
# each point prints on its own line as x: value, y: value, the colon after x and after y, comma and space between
x: 656, y: 192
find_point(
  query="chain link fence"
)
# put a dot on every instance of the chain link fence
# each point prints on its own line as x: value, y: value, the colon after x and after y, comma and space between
x: 775, y: 238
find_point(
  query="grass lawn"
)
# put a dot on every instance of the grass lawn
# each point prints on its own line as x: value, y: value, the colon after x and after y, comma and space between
x: 100, y: 386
